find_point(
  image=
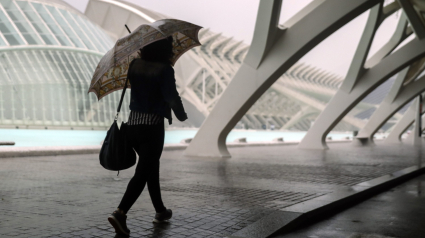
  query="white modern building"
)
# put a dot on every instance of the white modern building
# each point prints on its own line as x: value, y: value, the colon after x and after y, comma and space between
x: 202, y: 74
x: 49, y: 50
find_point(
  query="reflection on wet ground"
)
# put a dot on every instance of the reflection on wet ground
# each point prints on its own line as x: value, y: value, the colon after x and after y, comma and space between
x: 72, y: 196
x: 395, y: 213
x: 158, y: 230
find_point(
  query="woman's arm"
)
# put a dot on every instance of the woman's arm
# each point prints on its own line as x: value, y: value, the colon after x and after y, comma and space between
x: 171, y: 96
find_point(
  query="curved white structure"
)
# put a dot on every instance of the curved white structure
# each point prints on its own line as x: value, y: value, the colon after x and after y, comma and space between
x: 275, y: 49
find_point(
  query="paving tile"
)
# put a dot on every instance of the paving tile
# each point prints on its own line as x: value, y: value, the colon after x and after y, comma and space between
x: 72, y: 196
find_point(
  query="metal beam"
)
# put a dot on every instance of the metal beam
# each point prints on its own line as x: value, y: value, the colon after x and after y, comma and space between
x: 414, y: 20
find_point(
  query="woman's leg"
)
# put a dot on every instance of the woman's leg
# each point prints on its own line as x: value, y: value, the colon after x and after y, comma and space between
x: 153, y: 179
x: 148, y: 145
x: 155, y: 190
x: 136, y: 185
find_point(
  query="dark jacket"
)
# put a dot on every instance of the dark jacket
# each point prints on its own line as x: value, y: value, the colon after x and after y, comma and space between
x: 153, y: 89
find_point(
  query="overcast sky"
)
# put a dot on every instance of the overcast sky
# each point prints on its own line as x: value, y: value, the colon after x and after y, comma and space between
x: 236, y: 18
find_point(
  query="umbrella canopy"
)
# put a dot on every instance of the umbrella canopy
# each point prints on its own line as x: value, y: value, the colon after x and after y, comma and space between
x: 111, y: 72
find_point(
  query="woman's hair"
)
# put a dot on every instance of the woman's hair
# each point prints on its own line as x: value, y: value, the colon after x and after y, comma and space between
x: 158, y: 51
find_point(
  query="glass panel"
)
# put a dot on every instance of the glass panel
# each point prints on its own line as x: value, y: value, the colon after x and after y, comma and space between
x: 48, y: 40
x: 40, y: 72
x: 20, y: 27
x: 103, y: 38
x: 57, y: 75
x: 89, y: 66
x: 31, y: 40
x: 22, y: 24
x: 37, y: 23
x: 85, y: 104
x: 2, y: 42
x: 94, y: 61
x: 65, y: 27
x: 106, y: 39
x: 100, y: 44
x: 9, y: 31
x: 51, y: 23
x: 42, y: 97
x: 53, y: 57
x: 5, y: 75
x: 4, y: 79
x: 64, y: 111
x: 75, y: 68
x: 78, y: 30
x: 68, y: 66
x: 36, y: 71
x: 18, y: 70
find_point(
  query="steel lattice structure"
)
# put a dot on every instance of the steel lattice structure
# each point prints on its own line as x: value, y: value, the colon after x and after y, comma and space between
x: 48, y: 50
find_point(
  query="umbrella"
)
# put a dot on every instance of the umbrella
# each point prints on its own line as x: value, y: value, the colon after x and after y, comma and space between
x: 111, y: 72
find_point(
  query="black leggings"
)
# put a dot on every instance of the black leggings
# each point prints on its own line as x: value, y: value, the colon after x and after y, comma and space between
x: 148, y: 141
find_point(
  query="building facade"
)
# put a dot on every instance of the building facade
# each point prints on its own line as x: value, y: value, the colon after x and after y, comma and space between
x: 48, y: 51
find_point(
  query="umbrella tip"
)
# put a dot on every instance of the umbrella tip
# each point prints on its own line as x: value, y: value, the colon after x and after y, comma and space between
x: 127, y: 28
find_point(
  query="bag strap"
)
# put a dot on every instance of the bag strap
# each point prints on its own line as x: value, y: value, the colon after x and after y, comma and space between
x: 123, y: 91
x: 119, y: 106
x: 122, y: 97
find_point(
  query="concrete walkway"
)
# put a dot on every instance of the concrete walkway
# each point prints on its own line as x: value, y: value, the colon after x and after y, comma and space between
x: 72, y: 195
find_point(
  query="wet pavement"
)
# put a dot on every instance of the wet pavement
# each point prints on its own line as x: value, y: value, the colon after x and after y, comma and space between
x: 398, y: 212
x: 72, y: 196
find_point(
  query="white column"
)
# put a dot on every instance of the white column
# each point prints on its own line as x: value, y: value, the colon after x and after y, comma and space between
x: 414, y: 137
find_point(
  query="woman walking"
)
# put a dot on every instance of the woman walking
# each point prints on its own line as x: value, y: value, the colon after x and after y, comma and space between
x: 153, y: 96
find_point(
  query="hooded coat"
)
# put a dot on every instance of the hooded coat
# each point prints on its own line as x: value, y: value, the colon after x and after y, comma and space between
x: 153, y: 89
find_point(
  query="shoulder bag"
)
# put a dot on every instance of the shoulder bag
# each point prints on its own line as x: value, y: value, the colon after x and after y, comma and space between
x: 117, y: 153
